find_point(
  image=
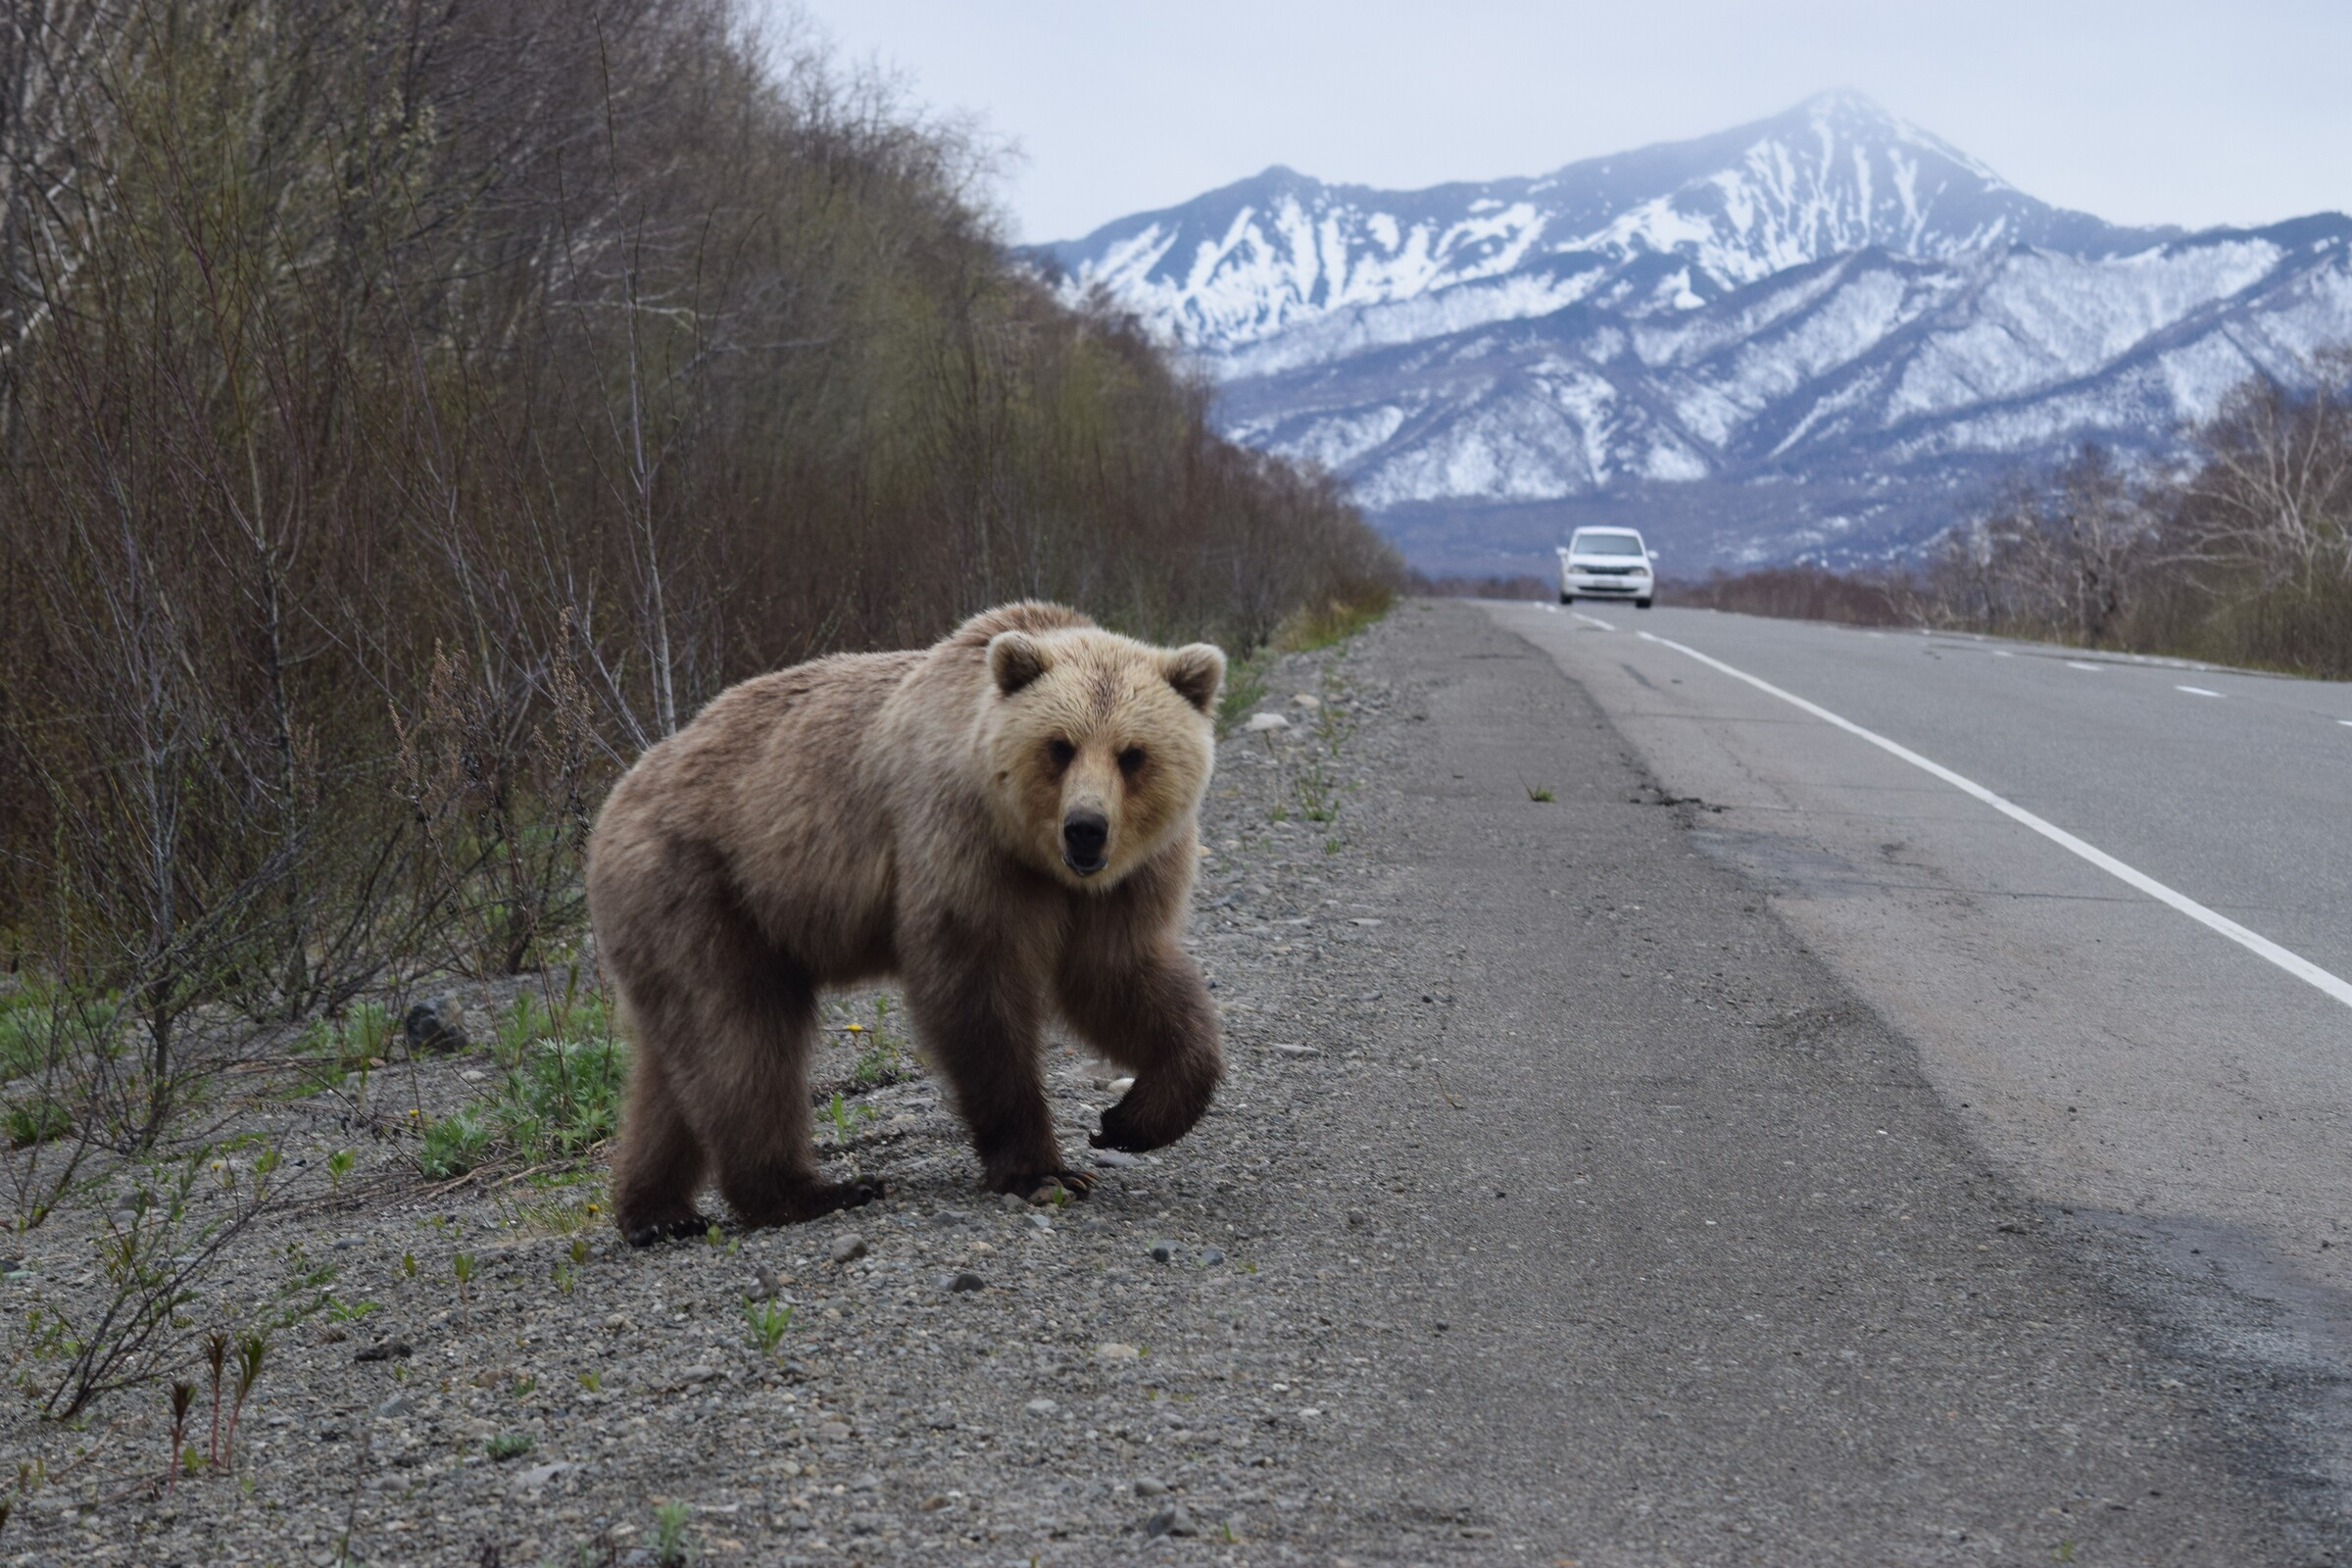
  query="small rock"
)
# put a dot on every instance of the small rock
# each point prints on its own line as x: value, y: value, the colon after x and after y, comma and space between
x: 966, y: 1280
x: 1116, y: 1158
x: 1286, y: 1048
x: 951, y: 1216
x: 436, y: 1028
x: 344, y: 1243
x: 537, y: 1477
x: 386, y: 1351
x: 1043, y: 1222
x: 1151, y: 1487
x: 1172, y: 1521
x: 1165, y: 1251
x: 868, y: 1482
x: 1307, y: 701
x: 767, y: 1284
x: 849, y: 1250
x: 1358, y: 1219
x: 398, y: 1404
x: 942, y: 1418
x: 698, y: 1374
x: 1212, y: 1257
x: 1260, y: 723
x: 1111, y: 1350
x: 933, y: 1504
x: 1041, y: 1408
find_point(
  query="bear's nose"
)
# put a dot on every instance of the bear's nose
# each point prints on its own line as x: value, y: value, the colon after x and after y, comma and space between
x: 1083, y: 835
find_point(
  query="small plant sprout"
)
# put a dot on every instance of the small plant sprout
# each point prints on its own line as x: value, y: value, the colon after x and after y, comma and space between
x: 768, y: 1321
x: 216, y: 1357
x: 579, y: 1250
x: 714, y: 1236
x: 251, y: 1349
x: 338, y: 1166
x: 671, y: 1549
x: 407, y: 1264
x: 462, y: 1266
x: 838, y: 1113
x: 593, y: 1382
x: 1538, y: 793
x: 509, y: 1446
x: 525, y: 1386
x: 184, y: 1396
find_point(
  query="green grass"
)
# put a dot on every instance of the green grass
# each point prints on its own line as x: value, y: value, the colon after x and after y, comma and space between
x: 1244, y: 689
x: 1334, y: 619
x: 510, y: 1446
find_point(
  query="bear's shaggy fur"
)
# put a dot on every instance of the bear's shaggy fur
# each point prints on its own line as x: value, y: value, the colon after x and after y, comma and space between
x: 1005, y: 821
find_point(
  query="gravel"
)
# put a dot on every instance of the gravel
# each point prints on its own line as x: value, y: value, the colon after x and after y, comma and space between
x: 1314, y: 1328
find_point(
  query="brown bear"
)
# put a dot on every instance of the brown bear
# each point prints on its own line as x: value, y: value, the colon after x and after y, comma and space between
x: 1005, y: 821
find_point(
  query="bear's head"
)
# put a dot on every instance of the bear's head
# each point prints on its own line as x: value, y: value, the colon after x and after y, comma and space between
x: 1099, y: 747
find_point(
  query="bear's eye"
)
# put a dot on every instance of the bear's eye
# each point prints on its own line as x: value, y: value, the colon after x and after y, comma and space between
x: 1131, y: 759
x: 1063, y: 753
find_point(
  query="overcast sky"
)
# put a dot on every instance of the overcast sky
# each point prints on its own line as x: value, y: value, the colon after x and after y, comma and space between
x: 2149, y: 111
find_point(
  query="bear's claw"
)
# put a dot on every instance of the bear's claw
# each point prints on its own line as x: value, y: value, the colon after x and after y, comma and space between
x: 674, y: 1229
x: 1041, y: 1186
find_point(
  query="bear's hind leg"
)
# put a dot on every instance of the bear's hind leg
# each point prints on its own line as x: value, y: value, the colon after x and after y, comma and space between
x: 754, y: 1101
x: 658, y: 1166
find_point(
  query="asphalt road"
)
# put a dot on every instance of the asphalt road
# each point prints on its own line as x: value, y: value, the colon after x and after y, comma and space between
x: 1697, y: 1253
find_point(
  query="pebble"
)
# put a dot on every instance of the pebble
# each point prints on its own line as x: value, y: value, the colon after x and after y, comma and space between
x: 1165, y: 1251
x: 1116, y: 1158
x: 1172, y: 1521
x: 849, y: 1250
x: 1151, y: 1487
x: 386, y: 1351
x: 965, y: 1280
x: 1041, y: 1408
x: 1307, y: 701
x: 538, y: 1476
x: 398, y: 1404
x: 1260, y: 723
x: 698, y: 1374
x: 1112, y: 1350
x: 1043, y: 1222
x: 1212, y: 1257
x: 436, y: 1028
x: 1285, y: 1048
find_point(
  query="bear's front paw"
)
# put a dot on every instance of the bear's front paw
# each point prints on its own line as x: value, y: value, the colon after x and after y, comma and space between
x: 1040, y: 1187
x: 1124, y: 1131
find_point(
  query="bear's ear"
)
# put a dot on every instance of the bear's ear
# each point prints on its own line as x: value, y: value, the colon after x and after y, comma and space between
x: 1197, y: 671
x: 1015, y: 659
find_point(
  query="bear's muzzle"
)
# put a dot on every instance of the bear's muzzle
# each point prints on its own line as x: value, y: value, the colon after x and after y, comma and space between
x: 1085, y: 834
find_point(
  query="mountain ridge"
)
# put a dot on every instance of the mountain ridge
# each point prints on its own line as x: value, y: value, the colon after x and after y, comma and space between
x: 1830, y: 301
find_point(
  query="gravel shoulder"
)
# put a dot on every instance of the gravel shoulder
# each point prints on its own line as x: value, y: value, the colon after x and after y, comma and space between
x: 1558, y: 1208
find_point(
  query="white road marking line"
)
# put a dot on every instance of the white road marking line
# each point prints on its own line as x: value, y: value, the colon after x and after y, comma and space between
x: 2197, y: 691
x: 1595, y: 619
x: 2253, y: 942
x: 2077, y: 665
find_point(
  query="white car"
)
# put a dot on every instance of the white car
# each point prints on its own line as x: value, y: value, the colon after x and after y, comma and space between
x: 1607, y: 563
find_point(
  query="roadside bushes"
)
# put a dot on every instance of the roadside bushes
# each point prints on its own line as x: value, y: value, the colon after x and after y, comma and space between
x: 407, y: 416
x: 2242, y: 554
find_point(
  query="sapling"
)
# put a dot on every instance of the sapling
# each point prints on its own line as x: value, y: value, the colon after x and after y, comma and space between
x: 216, y: 1355
x: 338, y: 1166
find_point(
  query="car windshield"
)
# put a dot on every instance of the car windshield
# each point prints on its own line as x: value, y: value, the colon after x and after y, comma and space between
x: 1605, y: 544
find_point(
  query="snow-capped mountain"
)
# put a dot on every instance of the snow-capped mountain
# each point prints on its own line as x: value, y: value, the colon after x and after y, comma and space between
x: 1812, y: 336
